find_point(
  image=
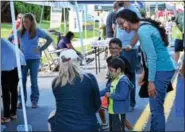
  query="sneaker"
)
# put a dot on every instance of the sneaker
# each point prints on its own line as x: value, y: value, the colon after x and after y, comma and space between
x: 34, y: 106
x: 13, y: 117
x: 105, y: 126
x: 89, y: 60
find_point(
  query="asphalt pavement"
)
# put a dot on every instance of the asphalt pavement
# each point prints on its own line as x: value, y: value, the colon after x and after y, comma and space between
x: 139, y: 118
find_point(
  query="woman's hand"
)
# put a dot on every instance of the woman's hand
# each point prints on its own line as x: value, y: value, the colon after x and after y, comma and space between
x: 151, y: 89
x: 128, y: 48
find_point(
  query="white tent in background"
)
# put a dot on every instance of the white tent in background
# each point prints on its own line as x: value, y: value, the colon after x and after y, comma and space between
x: 57, y: 4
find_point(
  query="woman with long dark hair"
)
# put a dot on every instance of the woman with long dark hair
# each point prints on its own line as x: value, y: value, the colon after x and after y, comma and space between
x: 154, y: 42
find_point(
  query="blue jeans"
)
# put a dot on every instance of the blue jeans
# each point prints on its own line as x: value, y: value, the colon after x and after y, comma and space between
x: 179, y: 98
x: 33, y: 66
x: 162, y: 79
x: 131, y: 56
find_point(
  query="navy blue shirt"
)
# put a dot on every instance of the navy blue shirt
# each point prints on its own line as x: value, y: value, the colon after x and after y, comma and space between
x: 76, y: 106
x: 63, y: 43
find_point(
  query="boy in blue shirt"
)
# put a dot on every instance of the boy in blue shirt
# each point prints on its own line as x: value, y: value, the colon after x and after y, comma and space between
x: 118, y: 93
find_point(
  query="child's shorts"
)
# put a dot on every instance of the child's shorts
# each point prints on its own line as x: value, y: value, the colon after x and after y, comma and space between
x: 117, y: 122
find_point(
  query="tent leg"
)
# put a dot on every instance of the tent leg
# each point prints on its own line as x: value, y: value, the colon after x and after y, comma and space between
x: 80, y: 30
x: 18, y: 65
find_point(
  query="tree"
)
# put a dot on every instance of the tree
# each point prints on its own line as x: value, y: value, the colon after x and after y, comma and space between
x: 22, y: 7
x: 4, y: 5
x: 5, y: 11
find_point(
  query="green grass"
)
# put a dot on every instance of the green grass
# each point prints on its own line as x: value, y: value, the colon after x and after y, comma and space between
x: 7, y: 27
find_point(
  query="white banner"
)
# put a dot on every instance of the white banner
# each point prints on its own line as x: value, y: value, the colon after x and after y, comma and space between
x: 56, y: 17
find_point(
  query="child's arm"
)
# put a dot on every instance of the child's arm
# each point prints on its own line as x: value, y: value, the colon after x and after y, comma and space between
x: 104, y: 91
x: 122, y: 91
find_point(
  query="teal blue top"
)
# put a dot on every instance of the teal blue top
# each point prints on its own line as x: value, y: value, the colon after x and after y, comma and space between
x: 28, y: 45
x: 152, y: 45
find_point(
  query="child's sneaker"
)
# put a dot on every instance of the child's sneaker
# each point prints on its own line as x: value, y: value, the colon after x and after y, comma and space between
x: 105, y: 126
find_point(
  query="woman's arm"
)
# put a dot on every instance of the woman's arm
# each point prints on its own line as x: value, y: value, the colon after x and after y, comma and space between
x: 48, y: 42
x: 147, y: 45
x: 44, y: 35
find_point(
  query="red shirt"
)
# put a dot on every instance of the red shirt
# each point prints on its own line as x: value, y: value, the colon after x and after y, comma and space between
x: 18, y: 25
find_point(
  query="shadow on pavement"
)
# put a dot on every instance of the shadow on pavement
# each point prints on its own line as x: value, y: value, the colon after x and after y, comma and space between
x: 37, y: 118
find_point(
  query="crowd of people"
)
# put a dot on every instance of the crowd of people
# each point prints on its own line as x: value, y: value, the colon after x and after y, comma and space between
x: 77, y: 93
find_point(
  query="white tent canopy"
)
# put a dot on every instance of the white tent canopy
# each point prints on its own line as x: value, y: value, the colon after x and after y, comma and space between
x: 58, y: 4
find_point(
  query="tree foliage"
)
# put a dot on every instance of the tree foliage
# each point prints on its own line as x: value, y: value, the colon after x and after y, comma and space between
x: 22, y: 7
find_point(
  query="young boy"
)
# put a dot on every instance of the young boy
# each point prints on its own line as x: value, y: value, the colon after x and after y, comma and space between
x: 118, y: 93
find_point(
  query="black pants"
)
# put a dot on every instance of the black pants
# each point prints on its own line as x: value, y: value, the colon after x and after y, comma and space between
x: 9, y: 92
x: 116, y: 122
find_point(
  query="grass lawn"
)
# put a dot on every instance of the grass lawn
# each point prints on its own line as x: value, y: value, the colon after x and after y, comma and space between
x: 7, y: 27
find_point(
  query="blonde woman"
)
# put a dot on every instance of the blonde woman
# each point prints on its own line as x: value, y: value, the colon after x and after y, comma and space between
x: 77, y: 97
x: 29, y: 36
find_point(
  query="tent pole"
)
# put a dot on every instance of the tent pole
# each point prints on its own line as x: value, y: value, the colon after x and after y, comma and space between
x: 85, y: 13
x: 157, y: 9
x: 18, y: 65
x: 41, y: 16
x: 94, y: 27
x: 0, y: 81
x: 65, y: 21
x: 80, y: 30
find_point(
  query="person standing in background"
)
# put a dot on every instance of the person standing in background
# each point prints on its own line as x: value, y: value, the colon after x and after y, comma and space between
x: 178, y: 34
x: 9, y: 80
x: 18, y: 21
x: 110, y: 21
x: 18, y: 25
x: 29, y: 36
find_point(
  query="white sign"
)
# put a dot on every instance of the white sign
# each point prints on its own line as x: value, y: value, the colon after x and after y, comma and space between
x: 73, y: 21
x: 56, y: 17
x: 100, y: 43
